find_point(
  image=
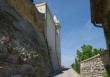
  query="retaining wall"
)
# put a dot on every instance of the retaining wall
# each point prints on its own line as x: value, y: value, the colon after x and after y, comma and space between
x: 95, y: 66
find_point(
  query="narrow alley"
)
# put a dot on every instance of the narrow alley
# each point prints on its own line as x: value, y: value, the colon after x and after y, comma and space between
x: 67, y: 72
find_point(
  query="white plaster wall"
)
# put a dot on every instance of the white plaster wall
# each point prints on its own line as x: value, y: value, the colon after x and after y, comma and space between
x: 58, y: 47
x: 41, y: 7
x: 51, y: 38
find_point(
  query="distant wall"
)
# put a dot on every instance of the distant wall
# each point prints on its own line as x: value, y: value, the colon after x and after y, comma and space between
x: 95, y: 66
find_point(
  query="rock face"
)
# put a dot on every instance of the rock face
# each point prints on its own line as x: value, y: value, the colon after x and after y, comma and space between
x: 95, y: 66
x: 23, y: 51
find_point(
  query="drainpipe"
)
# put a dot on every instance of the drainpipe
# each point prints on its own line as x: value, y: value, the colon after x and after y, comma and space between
x: 98, y: 26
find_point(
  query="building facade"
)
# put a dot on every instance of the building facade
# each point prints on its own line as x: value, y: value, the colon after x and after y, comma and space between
x: 98, y: 65
x: 51, y: 34
x: 100, y: 14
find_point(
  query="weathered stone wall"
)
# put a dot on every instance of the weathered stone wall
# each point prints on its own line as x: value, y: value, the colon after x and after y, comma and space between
x: 23, y: 51
x: 95, y: 66
x: 28, y: 11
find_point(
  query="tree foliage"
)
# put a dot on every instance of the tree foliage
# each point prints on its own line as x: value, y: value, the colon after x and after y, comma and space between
x: 86, y: 52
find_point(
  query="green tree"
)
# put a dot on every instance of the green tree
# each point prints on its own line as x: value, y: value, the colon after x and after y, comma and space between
x: 79, y: 55
x: 97, y: 51
x: 74, y: 66
x: 86, y: 52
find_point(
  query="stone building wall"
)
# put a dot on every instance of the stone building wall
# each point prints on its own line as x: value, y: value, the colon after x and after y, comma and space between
x: 28, y: 11
x: 23, y: 51
x: 95, y: 66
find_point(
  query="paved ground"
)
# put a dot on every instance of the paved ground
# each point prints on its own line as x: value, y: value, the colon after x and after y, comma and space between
x: 67, y: 72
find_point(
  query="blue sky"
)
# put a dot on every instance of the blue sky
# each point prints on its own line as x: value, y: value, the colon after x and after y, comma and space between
x: 76, y: 27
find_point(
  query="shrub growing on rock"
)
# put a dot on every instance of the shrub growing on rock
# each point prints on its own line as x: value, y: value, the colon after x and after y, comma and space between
x: 33, y: 55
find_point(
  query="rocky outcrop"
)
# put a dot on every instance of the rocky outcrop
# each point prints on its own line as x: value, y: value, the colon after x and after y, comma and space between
x: 23, y: 50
